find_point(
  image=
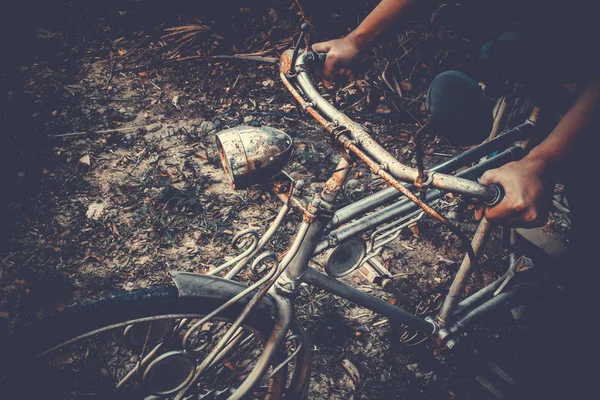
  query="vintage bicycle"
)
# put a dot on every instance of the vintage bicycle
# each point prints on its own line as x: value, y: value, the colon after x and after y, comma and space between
x: 209, y: 336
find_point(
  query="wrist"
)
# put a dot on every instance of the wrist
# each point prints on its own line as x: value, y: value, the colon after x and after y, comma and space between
x: 540, y: 163
x: 361, y: 40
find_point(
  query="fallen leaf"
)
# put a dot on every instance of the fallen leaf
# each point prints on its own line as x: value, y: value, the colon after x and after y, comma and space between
x: 59, y: 306
x: 142, y: 73
x: 121, y: 52
x: 95, y: 211
x: 230, y: 366
x: 381, y: 109
x: 406, y: 85
x: 4, y: 314
x: 351, y: 370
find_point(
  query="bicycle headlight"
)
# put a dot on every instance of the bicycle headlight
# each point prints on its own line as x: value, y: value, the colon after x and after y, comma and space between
x: 253, y: 155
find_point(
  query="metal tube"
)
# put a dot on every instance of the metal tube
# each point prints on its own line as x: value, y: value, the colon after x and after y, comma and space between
x: 464, y: 272
x: 478, y: 297
x: 405, y: 206
x: 261, y: 244
x: 491, y: 305
x: 363, y: 299
x: 282, y: 323
x: 375, y: 200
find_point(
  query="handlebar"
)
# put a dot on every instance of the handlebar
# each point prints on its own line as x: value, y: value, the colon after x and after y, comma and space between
x: 356, y: 140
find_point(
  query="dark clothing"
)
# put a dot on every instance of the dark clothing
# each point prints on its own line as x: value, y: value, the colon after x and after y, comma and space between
x: 556, y: 44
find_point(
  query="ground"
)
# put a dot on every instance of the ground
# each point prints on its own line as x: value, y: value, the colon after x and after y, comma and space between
x: 113, y: 179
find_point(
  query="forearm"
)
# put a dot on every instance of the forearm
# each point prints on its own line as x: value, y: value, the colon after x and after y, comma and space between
x: 572, y: 127
x: 378, y: 21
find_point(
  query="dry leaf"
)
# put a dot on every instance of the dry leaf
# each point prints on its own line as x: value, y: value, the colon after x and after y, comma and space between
x: 4, y: 314
x: 351, y: 370
x: 121, y: 52
x: 406, y: 85
x: 59, y: 306
x: 142, y: 73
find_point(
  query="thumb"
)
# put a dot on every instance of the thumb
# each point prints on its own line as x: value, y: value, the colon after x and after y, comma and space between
x: 322, y: 47
x: 488, y: 178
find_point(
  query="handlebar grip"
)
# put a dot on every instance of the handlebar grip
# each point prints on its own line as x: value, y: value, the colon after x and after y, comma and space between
x: 498, y: 195
x: 320, y: 56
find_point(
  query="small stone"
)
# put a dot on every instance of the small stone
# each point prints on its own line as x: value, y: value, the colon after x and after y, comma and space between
x: 21, y: 174
x: 146, y: 115
x: 103, y: 372
x: 85, y: 161
x: 54, y: 113
x: 248, y: 118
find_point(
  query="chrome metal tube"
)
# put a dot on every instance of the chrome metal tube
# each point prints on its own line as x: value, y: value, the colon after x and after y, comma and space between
x: 261, y: 244
x: 363, y: 299
x: 478, y: 297
x: 285, y: 311
x: 405, y: 206
x: 504, y: 298
x: 375, y: 200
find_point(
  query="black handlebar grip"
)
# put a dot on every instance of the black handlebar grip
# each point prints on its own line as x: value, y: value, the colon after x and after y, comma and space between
x: 498, y: 195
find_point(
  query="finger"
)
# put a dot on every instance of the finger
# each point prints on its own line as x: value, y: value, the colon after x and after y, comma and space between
x: 322, y: 47
x: 328, y: 71
x: 479, y: 212
x: 488, y: 178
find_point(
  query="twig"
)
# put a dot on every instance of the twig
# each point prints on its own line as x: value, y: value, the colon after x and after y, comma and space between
x: 111, y: 73
x: 129, y: 128
x: 248, y: 57
x: 140, y: 158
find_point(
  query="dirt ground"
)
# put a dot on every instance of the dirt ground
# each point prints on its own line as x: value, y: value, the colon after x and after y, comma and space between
x: 112, y: 177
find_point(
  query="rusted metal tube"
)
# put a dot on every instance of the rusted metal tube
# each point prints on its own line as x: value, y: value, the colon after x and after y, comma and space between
x: 372, y: 148
x: 334, y: 183
x: 464, y: 272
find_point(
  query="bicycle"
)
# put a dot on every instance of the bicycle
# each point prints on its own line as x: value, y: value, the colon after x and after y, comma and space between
x: 186, y: 340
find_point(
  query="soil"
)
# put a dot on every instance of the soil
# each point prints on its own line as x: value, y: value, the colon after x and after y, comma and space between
x: 113, y: 179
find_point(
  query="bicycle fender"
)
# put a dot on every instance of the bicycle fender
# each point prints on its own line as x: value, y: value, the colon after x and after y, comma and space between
x: 191, y: 284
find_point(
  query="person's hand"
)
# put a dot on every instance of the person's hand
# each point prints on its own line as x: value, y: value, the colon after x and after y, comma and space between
x: 342, y: 56
x: 527, y: 194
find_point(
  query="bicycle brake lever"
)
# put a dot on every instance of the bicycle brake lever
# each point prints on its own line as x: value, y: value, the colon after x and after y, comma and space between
x: 303, y: 31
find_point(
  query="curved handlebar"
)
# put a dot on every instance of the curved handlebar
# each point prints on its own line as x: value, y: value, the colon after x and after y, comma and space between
x: 356, y: 139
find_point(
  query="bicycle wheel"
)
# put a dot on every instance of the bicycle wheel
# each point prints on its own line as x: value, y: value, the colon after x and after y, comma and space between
x: 130, y: 346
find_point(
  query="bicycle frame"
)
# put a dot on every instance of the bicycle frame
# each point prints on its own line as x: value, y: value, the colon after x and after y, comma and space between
x: 322, y: 228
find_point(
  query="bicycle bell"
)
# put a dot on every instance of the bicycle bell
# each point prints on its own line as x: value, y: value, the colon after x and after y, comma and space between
x: 252, y: 155
x: 346, y: 257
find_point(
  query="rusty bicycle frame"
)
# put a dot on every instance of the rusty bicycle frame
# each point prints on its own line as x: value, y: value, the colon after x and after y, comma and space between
x: 324, y: 228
